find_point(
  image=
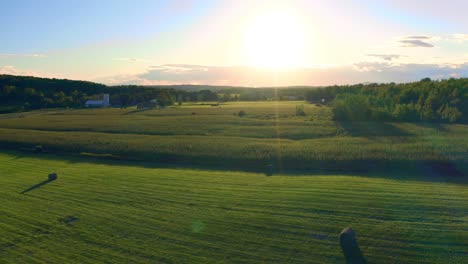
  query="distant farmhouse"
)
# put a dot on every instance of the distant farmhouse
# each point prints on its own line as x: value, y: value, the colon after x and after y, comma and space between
x: 99, y: 103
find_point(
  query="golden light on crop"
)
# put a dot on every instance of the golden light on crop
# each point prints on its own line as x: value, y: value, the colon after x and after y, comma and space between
x: 275, y: 39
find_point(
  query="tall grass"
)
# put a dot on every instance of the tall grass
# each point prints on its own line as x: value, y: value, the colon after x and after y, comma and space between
x: 220, y: 138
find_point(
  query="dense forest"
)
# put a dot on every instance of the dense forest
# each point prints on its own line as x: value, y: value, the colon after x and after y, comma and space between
x: 443, y: 101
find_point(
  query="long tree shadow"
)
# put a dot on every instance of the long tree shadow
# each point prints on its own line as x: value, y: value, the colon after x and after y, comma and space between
x: 370, y: 129
x: 37, y: 186
x: 436, y: 126
x: 420, y: 170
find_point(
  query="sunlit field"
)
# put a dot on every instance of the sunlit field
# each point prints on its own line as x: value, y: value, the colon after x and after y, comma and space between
x: 191, y: 184
x: 234, y: 131
x: 213, y: 134
x: 116, y: 212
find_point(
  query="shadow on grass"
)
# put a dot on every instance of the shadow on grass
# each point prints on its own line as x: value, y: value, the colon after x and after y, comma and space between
x: 436, y: 126
x: 136, y: 111
x: 17, y: 157
x: 370, y: 129
x: 37, y: 186
x: 417, y: 170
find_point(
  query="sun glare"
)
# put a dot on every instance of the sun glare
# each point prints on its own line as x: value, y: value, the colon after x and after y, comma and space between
x: 275, y: 40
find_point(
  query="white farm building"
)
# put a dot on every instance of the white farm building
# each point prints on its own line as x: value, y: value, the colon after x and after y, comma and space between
x: 99, y: 103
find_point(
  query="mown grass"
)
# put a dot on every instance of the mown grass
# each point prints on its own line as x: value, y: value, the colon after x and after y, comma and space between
x: 103, y: 210
x: 130, y: 214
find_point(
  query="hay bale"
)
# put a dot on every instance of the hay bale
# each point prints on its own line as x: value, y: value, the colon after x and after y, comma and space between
x: 242, y: 113
x: 53, y: 176
x: 350, y: 247
x: 38, y: 149
x: 348, y: 233
x: 68, y: 219
x: 269, y: 170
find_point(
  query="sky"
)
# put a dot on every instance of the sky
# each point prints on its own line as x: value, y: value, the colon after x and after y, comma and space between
x: 241, y: 42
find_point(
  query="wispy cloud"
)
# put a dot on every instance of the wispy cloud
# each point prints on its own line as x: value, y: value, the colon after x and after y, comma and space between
x: 367, y: 66
x: 129, y: 59
x: 418, y: 41
x: 15, y: 55
x: 387, y: 57
x: 415, y: 44
x: 460, y: 37
x: 366, y: 71
x: 12, y: 70
x: 420, y: 37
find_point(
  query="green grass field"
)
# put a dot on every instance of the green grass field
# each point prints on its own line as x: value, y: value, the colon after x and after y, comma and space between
x: 131, y: 214
x: 202, y: 134
x: 187, y: 185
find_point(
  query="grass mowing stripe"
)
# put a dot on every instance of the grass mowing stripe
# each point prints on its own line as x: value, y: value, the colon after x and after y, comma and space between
x: 131, y: 213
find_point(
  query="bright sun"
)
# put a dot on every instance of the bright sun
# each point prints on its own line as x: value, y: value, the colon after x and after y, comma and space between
x: 275, y: 40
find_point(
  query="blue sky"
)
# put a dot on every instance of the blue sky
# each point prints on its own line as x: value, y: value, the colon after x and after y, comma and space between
x: 41, y: 26
x: 235, y: 42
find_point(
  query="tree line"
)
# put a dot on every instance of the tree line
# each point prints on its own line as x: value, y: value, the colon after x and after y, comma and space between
x: 23, y: 93
x: 444, y: 101
x: 426, y: 100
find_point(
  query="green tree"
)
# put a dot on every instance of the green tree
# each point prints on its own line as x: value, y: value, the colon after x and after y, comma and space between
x: 300, y: 110
x: 405, y: 112
x: 165, y: 99
x: 226, y: 97
x: 450, y: 114
x: 352, y: 107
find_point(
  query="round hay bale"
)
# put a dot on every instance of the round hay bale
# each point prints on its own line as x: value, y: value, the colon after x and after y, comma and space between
x: 269, y: 170
x: 38, y: 148
x: 348, y: 233
x: 53, y: 176
x: 350, y: 247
